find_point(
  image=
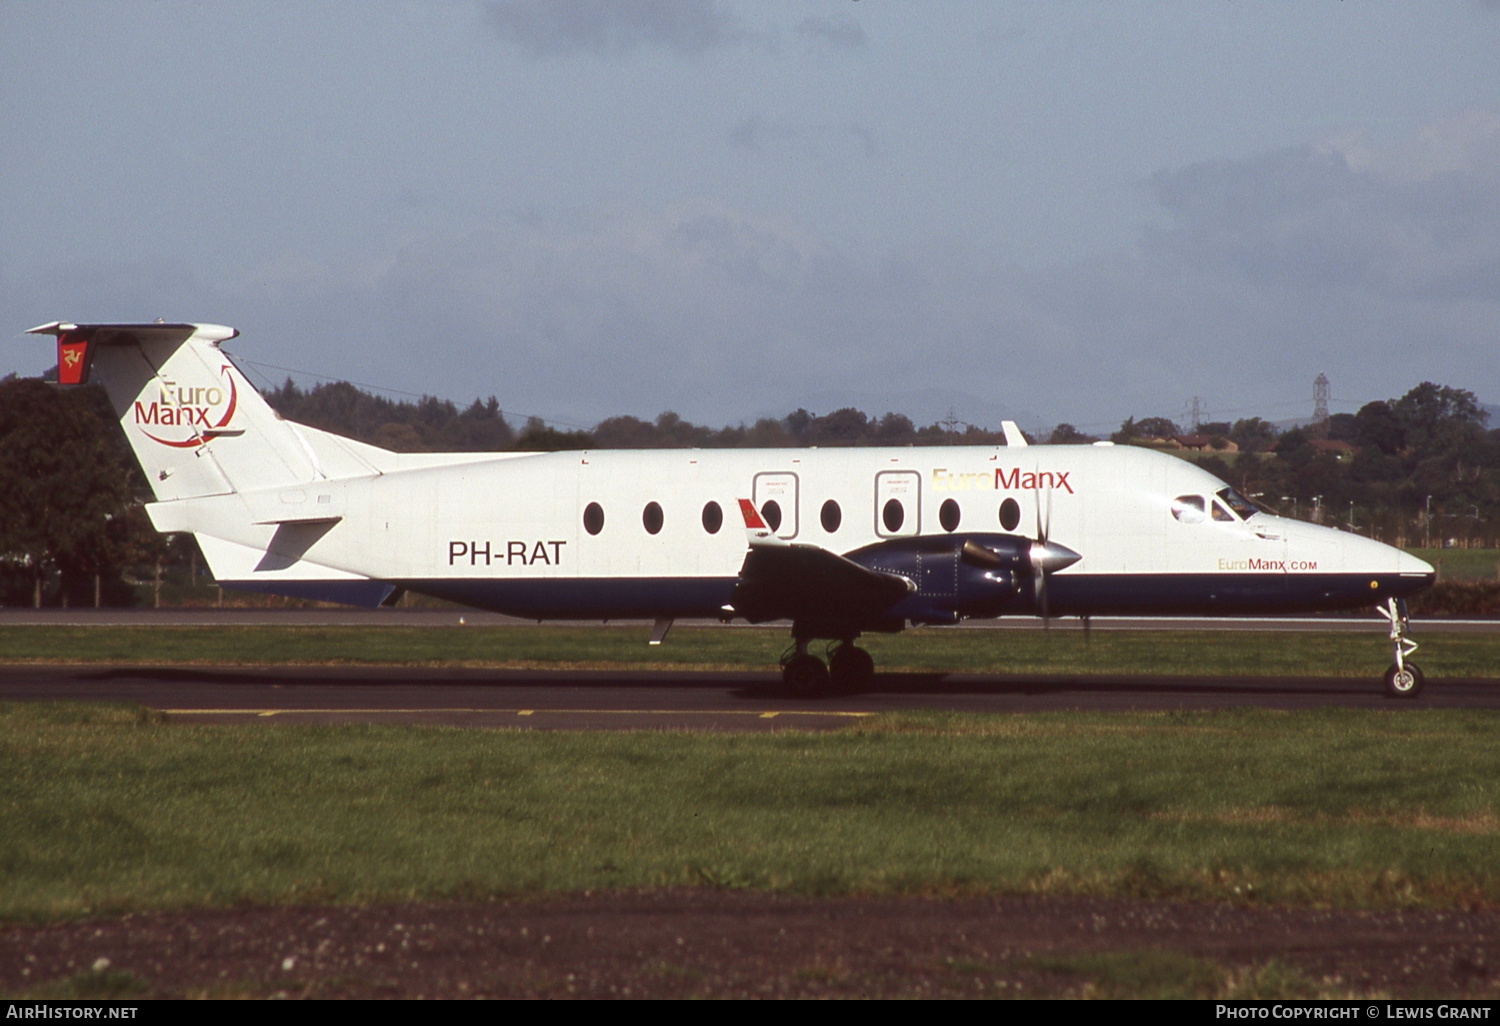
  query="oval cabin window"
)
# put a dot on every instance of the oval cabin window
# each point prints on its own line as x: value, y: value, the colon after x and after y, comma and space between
x: 771, y: 514
x: 1010, y: 514
x: 893, y: 515
x: 831, y: 516
x: 949, y: 515
x: 651, y: 517
x: 593, y: 518
x: 713, y: 518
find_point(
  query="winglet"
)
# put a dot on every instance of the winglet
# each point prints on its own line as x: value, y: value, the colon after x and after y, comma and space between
x: 756, y: 528
x: 753, y: 522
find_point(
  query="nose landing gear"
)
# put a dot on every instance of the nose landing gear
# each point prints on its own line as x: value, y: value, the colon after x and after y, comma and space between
x: 1403, y: 679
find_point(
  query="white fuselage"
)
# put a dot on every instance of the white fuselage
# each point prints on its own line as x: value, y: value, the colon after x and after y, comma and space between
x: 510, y: 532
x: 888, y: 536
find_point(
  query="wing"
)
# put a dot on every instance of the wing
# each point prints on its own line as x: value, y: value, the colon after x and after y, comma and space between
x: 780, y: 580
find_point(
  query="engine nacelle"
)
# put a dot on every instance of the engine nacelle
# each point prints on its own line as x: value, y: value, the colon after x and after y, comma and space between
x: 954, y: 576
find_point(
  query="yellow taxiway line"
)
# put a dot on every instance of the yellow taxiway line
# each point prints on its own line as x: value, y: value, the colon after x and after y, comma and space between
x: 520, y: 712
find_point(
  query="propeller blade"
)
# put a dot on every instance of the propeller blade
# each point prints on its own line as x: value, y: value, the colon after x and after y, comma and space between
x: 1047, y: 557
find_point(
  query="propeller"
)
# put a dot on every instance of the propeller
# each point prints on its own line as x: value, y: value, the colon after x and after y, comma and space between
x: 1047, y: 557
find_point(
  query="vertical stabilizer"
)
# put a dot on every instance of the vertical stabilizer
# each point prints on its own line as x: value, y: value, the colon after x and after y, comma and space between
x: 196, y: 424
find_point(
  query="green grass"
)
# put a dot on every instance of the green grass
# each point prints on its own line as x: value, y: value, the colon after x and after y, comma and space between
x: 1226, y: 653
x: 109, y: 809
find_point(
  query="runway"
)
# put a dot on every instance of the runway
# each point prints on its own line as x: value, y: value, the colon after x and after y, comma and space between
x: 656, y: 700
x: 349, y: 617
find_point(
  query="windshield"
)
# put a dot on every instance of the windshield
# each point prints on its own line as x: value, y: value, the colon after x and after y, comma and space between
x: 1237, y: 502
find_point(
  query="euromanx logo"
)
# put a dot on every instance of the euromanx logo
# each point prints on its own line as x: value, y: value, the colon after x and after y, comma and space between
x: 192, y: 412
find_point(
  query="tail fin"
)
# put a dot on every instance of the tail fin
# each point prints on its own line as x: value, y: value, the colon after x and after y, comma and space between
x: 196, y: 424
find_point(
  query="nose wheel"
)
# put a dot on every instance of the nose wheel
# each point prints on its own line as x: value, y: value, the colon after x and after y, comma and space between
x: 1403, y: 679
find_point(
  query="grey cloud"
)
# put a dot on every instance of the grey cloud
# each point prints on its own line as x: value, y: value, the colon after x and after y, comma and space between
x: 752, y: 132
x: 611, y: 27
x: 817, y: 141
x: 1309, y: 217
x: 837, y: 31
x: 702, y: 309
x: 697, y: 308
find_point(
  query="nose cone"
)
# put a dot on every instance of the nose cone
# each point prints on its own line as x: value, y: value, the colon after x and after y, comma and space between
x: 1399, y: 573
x: 1415, y: 574
x: 1050, y: 557
x: 1409, y: 564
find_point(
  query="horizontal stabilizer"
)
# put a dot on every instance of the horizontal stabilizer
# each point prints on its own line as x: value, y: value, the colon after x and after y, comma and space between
x: 281, y: 569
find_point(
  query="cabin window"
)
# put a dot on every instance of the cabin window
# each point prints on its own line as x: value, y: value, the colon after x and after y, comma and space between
x: 1010, y: 514
x: 713, y: 518
x: 652, y: 518
x: 949, y: 515
x: 771, y: 514
x: 1188, y: 508
x: 593, y: 518
x: 831, y: 516
x: 1237, y: 502
x: 893, y: 514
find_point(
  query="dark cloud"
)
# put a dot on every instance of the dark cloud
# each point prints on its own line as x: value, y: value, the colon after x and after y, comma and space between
x: 608, y: 27
x: 842, y: 32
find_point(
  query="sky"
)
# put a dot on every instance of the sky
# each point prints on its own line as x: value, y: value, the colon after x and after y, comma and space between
x: 1059, y: 211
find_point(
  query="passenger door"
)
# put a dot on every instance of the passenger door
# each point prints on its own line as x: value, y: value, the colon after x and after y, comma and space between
x: 775, y: 495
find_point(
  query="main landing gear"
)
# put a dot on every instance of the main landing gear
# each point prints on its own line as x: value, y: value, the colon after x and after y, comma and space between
x: 849, y: 668
x: 1403, y: 679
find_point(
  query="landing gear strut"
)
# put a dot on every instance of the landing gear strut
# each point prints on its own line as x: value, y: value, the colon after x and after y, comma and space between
x: 1403, y: 679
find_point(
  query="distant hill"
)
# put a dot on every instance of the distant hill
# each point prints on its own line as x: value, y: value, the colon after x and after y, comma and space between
x: 923, y: 406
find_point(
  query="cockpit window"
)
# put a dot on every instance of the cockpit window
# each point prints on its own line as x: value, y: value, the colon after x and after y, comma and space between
x: 1188, y: 508
x: 1223, y: 515
x: 1237, y: 502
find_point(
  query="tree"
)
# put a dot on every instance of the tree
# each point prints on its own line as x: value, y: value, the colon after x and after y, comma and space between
x: 1344, y: 427
x: 1252, y: 434
x: 1158, y: 427
x: 797, y: 424
x: 894, y: 429
x: 1439, y: 417
x: 1295, y: 449
x: 1376, y: 425
x: 63, y: 481
x: 841, y: 427
x: 1067, y: 434
x: 1146, y: 429
x: 538, y: 437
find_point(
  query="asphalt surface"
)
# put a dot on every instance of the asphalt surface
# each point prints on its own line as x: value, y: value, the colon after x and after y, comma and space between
x: 347, y: 617
x: 662, y: 700
x: 656, y: 700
